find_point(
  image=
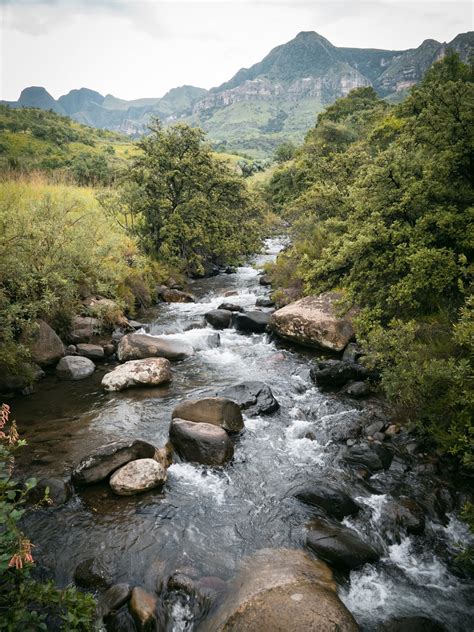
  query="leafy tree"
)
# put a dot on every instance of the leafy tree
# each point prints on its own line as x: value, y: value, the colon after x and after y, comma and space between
x: 284, y: 152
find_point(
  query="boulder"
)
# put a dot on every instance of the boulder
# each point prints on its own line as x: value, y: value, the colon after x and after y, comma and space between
x: 45, y: 345
x: 403, y: 515
x: 121, y: 621
x: 218, y: 411
x: 219, y: 318
x: 74, y: 368
x: 333, y: 501
x: 373, y: 457
x: 93, y: 573
x: 352, y: 353
x: 83, y: 328
x: 256, y: 398
x: 337, y: 372
x: 143, y: 608
x: 201, y: 442
x: 140, y: 346
x: 137, y: 476
x: 59, y: 491
x: 358, y: 390
x: 106, y: 459
x: 164, y: 455
x: 231, y: 307
x: 279, y: 590
x: 171, y: 295
x: 29, y: 373
x: 113, y: 599
x: 264, y: 280
x: 147, y: 372
x: 313, y: 321
x: 94, y: 352
x: 339, y: 546
x: 264, y: 301
x: 254, y: 322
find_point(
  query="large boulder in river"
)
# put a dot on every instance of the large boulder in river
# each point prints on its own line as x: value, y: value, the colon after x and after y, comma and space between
x: 108, y: 458
x: 74, y: 368
x: 339, y: 546
x: 278, y: 590
x: 372, y: 457
x: 333, y: 501
x: 139, y: 346
x: 200, y: 442
x: 313, y: 321
x: 337, y: 372
x: 137, y: 476
x: 147, y: 372
x: 219, y: 318
x: 45, y: 345
x: 256, y: 398
x: 218, y: 411
x: 253, y: 322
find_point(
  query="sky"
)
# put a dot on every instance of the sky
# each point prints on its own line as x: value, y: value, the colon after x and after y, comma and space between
x: 136, y: 48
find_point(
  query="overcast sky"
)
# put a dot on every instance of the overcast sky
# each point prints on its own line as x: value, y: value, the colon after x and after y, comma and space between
x: 132, y: 48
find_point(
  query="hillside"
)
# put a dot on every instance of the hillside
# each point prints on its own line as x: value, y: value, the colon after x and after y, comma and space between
x: 275, y: 100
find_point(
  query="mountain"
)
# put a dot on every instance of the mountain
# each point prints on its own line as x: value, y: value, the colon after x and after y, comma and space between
x: 275, y: 100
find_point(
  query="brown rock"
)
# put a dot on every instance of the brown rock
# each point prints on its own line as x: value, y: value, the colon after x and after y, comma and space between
x: 200, y: 442
x: 313, y: 322
x: 139, y: 346
x: 164, y: 455
x: 143, y: 608
x: 45, y: 345
x: 137, y: 476
x: 218, y: 411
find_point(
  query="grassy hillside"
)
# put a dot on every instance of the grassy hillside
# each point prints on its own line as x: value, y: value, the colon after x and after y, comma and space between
x: 32, y: 139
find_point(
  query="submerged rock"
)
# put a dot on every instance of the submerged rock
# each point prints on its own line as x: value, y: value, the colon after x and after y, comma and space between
x: 218, y: 411
x: 147, y: 372
x: 45, y: 345
x: 280, y: 590
x: 140, y: 346
x: 403, y: 515
x: 253, y: 322
x: 339, y: 546
x: 137, y: 476
x: 74, y: 368
x: 333, y: 501
x: 256, y: 398
x: 201, y: 442
x: 219, y: 318
x: 106, y: 459
x: 93, y: 573
x: 59, y: 491
x: 313, y: 321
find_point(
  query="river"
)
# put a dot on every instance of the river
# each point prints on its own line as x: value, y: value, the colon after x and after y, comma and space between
x: 208, y: 519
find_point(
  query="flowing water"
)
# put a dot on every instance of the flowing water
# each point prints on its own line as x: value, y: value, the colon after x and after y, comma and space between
x: 207, y: 519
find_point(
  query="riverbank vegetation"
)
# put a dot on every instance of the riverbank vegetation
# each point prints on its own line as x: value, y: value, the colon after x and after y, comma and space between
x: 380, y: 201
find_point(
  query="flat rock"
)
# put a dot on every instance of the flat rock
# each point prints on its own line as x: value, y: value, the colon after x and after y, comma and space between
x: 137, y: 476
x: 252, y: 322
x: 339, y: 546
x: 93, y: 352
x: 74, y: 368
x: 45, y: 345
x: 219, y: 318
x: 106, y: 459
x: 218, y: 411
x: 201, y: 442
x: 140, y: 346
x: 313, y: 321
x: 147, y: 372
x: 333, y: 501
x: 281, y: 590
x: 255, y: 398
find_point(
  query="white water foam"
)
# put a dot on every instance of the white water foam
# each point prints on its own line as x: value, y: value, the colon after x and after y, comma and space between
x: 199, y: 480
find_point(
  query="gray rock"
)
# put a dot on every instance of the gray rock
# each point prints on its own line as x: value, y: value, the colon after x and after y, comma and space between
x: 93, y: 352
x: 337, y: 372
x: 403, y: 515
x: 219, y: 318
x: 264, y: 301
x: 105, y: 460
x: 45, y: 345
x: 59, y: 491
x: 265, y: 280
x: 200, y: 442
x: 339, y: 546
x: 218, y: 411
x: 333, y: 501
x: 170, y: 295
x: 121, y: 621
x: 93, y: 573
x: 113, y: 599
x: 231, y: 307
x: 84, y: 328
x: 376, y: 426
x: 256, y: 398
x: 140, y: 346
x: 74, y: 368
x: 147, y: 372
x: 357, y: 390
x: 372, y: 457
x: 352, y: 352
x: 252, y: 322
x: 137, y: 476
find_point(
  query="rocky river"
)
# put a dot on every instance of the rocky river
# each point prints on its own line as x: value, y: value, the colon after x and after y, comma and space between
x: 185, y: 543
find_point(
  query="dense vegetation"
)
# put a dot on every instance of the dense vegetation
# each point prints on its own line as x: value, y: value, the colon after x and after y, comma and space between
x: 381, y: 203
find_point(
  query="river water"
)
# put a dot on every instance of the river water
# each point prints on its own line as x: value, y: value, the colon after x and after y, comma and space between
x: 208, y: 519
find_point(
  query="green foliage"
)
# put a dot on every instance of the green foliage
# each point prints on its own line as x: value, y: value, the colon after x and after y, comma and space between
x: 27, y: 604
x: 381, y: 203
x: 194, y: 209
x: 284, y: 152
